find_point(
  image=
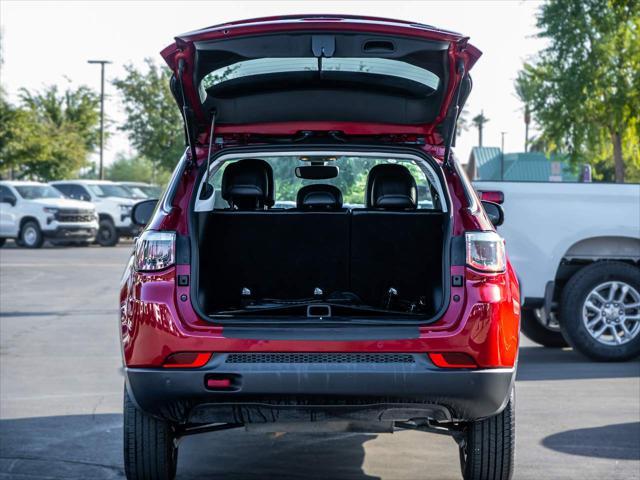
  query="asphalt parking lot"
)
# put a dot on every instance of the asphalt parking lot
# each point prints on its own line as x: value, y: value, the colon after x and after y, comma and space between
x: 61, y: 394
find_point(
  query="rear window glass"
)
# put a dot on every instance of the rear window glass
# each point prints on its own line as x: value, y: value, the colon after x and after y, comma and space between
x: 377, y: 66
x: 351, y: 180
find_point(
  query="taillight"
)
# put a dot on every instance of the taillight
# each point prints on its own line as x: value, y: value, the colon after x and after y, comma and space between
x: 485, y: 251
x: 494, y: 196
x: 155, y: 251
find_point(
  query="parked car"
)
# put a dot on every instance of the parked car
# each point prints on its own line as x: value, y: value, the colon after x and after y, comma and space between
x: 140, y: 190
x: 32, y: 212
x: 576, y: 247
x: 399, y: 315
x: 112, y: 203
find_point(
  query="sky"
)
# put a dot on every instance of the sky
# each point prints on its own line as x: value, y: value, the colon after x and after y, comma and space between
x: 46, y: 43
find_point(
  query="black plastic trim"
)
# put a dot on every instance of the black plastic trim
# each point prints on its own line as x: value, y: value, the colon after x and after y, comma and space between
x: 176, y: 394
x: 324, y: 332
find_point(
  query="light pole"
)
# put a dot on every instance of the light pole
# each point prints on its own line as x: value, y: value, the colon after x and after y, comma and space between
x: 502, y: 134
x: 102, y: 63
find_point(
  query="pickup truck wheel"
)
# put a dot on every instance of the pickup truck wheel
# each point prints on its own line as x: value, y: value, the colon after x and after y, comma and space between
x: 30, y: 235
x: 107, y: 234
x: 150, y: 451
x: 534, y: 330
x: 487, y: 451
x: 601, y: 311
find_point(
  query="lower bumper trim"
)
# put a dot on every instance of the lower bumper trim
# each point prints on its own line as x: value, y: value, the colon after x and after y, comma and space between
x: 264, y: 393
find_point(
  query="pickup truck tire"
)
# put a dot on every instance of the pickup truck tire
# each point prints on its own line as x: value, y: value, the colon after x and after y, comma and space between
x: 487, y: 451
x: 150, y: 451
x: 535, y: 331
x: 580, y: 288
x: 31, y: 235
x: 107, y: 234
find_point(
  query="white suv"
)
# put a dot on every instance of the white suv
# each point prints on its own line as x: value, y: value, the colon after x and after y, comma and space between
x: 31, y: 212
x: 112, y: 203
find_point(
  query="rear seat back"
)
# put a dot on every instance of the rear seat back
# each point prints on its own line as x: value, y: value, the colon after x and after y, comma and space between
x: 400, y: 250
x: 276, y: 254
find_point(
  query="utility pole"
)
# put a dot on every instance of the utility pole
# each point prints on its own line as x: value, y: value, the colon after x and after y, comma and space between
x: 502, y: 134
x: 527, y: 121
x: 102, y: 63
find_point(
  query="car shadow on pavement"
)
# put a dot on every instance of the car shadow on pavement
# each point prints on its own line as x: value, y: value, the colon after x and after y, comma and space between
x: 619, y: 442
x: 90, y: 446
x: 538, y: 363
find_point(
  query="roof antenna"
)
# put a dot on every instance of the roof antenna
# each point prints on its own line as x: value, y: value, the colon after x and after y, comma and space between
x: 453, y: 125
x: 207, y: 188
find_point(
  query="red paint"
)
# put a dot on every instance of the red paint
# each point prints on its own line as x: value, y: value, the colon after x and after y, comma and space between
x: 483, y: 324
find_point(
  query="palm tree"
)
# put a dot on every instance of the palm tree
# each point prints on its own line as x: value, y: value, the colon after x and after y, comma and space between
x: 479, y: 121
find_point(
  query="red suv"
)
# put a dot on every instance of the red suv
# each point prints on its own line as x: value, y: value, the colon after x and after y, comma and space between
x: 319, y: 260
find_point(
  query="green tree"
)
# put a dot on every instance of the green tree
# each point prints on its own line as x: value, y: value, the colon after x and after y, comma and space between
x: 133, y: 169
x: 50, y: 134
x: 154, y: 124
x: 584, y: 88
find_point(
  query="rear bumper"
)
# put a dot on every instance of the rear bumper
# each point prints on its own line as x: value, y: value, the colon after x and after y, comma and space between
x: 264, y: 392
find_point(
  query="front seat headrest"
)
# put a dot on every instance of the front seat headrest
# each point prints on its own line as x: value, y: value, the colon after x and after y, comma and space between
x: 391, y: 187
x: 319, y: 197
x: 248, y: 184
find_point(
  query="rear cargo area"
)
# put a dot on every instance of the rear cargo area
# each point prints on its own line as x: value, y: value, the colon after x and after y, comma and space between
x: 289, y: 255
x: 277, y: 244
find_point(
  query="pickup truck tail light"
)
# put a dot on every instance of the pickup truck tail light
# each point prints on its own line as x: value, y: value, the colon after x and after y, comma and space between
x: 155, y: 251
x: 494, y: 196
x: 485, y: 251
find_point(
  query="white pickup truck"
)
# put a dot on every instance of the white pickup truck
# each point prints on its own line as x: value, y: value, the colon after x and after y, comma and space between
x: 576, y: 249
x: 112, y: 202
x: 32, y: 212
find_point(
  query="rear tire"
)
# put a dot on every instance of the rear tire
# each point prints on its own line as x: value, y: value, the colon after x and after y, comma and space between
x: 581, y: 304
x: 150, y: 451
x: 535, y: 331
x: 31, y: 235
x: 488, y: 449
x: 107, y: 234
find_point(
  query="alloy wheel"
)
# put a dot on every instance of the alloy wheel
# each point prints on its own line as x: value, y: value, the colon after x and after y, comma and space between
x: 611, y: 313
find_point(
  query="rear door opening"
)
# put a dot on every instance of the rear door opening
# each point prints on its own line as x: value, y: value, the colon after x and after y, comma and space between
x: 368, y: 243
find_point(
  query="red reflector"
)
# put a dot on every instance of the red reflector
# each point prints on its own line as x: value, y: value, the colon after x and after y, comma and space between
x: 187, y: 360
x: 492, y: 196
x: 452, y: 360
x: 218, y: 382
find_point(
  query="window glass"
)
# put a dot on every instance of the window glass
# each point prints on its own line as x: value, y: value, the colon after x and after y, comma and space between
x: 351, y: 180
x: 377, y: 66
x: 32, y: 192
x: 5, y: 192
x: 106, y: 190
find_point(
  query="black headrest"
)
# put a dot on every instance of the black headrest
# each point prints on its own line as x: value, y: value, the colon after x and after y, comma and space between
x: 391, y: 187
x: 319, y: 197
x: 248, y: 184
